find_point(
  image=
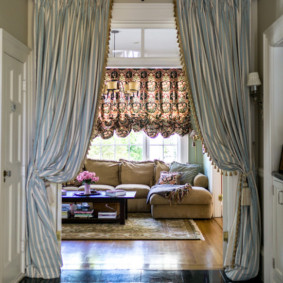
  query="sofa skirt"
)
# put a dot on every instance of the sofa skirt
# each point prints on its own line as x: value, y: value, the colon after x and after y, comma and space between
x: 138, y: 205
x: 197, y: 211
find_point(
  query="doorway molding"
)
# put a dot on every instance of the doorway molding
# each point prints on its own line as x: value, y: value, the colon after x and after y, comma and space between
x: 272, y: 39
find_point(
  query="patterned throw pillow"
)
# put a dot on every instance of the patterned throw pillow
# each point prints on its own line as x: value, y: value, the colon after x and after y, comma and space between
x: 167, y: 178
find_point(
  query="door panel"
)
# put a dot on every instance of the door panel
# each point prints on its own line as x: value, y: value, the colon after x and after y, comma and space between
x: 12, y: 159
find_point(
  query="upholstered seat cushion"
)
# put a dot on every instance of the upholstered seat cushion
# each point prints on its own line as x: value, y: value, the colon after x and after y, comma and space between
x: 197, y: 195
x: 141, y: 190
x: 98, y: 187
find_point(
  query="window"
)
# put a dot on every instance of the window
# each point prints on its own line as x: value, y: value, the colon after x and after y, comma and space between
x: 133, y: 43
x: 138, y: 146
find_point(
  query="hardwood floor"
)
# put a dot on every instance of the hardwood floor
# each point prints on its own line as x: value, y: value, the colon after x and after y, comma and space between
x: 148, y: 255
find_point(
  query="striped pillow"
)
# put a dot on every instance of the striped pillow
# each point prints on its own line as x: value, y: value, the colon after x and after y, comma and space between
x: 189, y: 171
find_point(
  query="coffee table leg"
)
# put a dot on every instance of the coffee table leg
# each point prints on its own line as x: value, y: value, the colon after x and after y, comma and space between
x: 126, y: 208
x: 122, y: 212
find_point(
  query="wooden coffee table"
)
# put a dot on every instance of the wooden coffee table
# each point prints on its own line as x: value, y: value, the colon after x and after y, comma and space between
x: 71, y: 197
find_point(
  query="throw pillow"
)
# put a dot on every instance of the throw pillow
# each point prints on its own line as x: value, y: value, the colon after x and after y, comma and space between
x: 167, y: 178
x: 201, y: 180
x: 137, y: 172
x: 160, y: 166
x: 106, y: 170
x: 189, y: 171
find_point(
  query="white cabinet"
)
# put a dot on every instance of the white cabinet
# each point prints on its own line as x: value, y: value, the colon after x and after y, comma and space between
x: 277, y: 230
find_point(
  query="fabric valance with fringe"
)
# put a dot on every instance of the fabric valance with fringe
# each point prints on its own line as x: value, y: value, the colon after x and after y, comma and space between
x: 161, y: 104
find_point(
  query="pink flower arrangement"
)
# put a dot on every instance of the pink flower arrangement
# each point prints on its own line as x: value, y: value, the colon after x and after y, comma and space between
x: 87, y: 177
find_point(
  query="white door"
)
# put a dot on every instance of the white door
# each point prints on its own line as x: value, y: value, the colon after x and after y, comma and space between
x: 11, y: 163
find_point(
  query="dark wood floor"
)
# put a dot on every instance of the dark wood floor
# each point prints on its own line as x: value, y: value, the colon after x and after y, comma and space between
x: 178, y: 261
x: 148, y: 255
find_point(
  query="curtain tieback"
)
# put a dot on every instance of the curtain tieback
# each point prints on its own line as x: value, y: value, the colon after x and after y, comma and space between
x: 246, y: 192
x: 248, y: 173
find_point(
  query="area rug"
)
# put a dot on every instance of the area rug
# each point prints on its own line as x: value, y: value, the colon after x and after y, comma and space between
x: 139, y: 226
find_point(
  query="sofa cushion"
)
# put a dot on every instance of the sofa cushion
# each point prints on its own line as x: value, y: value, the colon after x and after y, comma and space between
x: 197, y: 195
x: 97, y: 187
x: 201, y: 180
x: 137, y: 172
x: 141, y: 190
x: 169, y: 178
x: 189, y: 171
x: 106, y: 170
x: 159, y: 166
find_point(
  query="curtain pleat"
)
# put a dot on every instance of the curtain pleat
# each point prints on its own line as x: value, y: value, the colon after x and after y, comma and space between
x: 214, y: 39
x: 70, y: 40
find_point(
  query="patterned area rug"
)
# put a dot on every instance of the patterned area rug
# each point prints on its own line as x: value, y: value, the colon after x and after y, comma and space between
x: 139, y: 226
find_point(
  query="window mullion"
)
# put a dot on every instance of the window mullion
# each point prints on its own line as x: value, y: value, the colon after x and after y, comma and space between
x: 145, y: 147
x: 142, y: 42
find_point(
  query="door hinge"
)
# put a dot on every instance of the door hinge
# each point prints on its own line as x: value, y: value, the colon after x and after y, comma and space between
x: 22, y: 246
x: 225, y: 236
x: 272, y: 190
x: 273, y: 263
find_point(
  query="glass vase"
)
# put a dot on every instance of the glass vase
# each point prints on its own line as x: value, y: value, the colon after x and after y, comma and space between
x: 87, y: 189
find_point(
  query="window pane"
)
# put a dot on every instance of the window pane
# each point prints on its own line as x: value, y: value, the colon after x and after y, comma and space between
x: 127, y: 43
x: 157, y: 140
x: 108, y: 141
x: 94, y: 152
x: 136, y: 138
x: 121, y: 152
x: 156, y: 152
x: 124, y: 141
x: 170, y: 153
x: 136, y: 152
x: 96, y: 141
x: 171, y: 140
x: 160, y: 43
x: 107, y: 152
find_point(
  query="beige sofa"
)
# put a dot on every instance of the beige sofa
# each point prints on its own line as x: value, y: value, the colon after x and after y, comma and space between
x: 140, y: 177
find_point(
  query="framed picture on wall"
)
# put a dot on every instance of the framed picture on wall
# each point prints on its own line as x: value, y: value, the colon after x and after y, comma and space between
x: 281, y: 162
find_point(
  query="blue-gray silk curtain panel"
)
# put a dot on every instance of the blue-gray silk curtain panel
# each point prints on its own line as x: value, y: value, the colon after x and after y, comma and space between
x: 70, y: 40
x: 214, y: 38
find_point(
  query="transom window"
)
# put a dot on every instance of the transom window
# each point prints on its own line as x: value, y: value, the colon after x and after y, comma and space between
x: 136, y: 146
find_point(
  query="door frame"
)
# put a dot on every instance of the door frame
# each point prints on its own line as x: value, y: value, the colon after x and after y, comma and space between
x: 272, y: 37
x: 17, y: 50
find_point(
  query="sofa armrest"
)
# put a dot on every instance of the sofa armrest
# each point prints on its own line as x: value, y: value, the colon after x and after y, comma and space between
x: 201, y: 180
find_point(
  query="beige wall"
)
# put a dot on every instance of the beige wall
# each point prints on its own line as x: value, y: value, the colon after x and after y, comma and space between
x: 13, y: 18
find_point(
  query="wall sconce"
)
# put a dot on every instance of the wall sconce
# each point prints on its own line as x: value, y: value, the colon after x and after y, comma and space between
x: 194, y: 137
x: 115, y: 86
x: 253, y: 83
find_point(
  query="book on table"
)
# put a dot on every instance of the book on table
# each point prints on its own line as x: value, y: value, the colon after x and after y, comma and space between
x: 107, y: 215
x: 115, y: 193
x: 83, y: 214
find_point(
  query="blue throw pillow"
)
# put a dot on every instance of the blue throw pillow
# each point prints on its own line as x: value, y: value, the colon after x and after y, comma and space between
x: 189, y: 171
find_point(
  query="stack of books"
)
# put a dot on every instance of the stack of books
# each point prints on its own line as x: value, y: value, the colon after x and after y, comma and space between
x: 107, y: 215
x: 115, y: 193
x: 65, y: 209
x: 83, y: 214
